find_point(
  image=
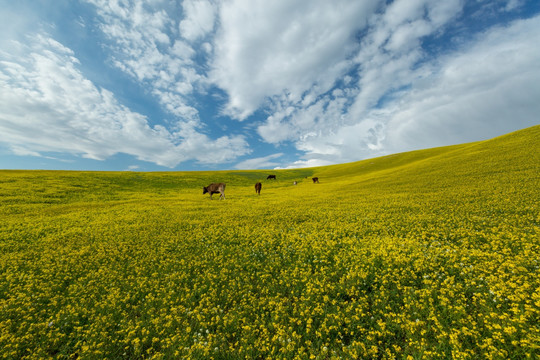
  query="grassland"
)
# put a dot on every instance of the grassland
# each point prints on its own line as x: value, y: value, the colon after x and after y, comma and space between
x: 432, y: 254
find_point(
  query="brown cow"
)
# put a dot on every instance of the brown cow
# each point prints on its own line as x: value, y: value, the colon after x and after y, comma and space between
x: 258, y: 187
x: 215, y: 188
x: 315, y: 180
x: 271, y: 177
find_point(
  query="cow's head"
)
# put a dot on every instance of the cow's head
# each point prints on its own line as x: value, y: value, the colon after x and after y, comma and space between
x: 204, y: 190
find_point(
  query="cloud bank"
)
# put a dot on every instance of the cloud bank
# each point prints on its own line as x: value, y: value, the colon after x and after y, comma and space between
x: 400, y: 98
x: 49, y: 106
x: 339, y: 81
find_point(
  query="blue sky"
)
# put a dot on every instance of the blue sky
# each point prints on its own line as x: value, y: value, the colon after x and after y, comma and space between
x: 246, y: 84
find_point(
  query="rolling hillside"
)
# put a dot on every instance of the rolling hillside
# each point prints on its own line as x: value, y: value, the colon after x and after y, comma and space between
x: 426, y: 254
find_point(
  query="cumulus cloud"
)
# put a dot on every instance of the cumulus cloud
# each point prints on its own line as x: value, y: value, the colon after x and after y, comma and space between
x: 391, y: 49
x: 199, y: 19
x: 265, y: 162
x: 486, y: 88
x: 305, y: 164
x: 402, y: 98
x: 322, y: 118
x: 47, y: 105
x: 267, y: 49
x: 341, y: 80
x: 144, y: 41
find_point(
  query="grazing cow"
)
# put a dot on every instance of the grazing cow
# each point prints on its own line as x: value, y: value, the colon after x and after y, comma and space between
x: 315, y: 180
x: 258, y: 187
x: 271, y: 177
x: 215, y: 188
x: 294, y: 183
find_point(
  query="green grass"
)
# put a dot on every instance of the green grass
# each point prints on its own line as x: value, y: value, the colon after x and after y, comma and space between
x: 427, y: 254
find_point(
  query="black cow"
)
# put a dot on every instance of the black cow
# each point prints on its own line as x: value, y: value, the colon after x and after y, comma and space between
x: 215, y: 188
x: 271, y: 177
x: 258, y: 187
x: 315, y: 180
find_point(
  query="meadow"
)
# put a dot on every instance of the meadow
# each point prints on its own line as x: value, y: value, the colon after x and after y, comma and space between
x: 431, y: 254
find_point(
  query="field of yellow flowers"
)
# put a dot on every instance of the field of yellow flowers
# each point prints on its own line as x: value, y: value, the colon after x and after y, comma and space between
x: 432, y: 254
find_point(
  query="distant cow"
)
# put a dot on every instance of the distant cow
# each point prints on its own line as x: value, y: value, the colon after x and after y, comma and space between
x: 271, y: 177
x: 315, y: 180
x: 294, y: 183
x: 215, y: 188
x: 258, y: 187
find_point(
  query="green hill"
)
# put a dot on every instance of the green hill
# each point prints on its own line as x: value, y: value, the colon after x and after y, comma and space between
x: 425, y: 254
x: 512, y: 152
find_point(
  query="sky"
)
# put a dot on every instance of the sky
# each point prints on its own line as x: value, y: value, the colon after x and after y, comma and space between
x: 162, y: 85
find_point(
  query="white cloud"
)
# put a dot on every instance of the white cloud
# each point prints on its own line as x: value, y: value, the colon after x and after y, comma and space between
x: 386, y: 58
x: 340, y: 80
x: 347, y: 143
x: 264, y: 162
x: 277, y: 127
x: 513, y: 4
x: 145, y: 44
x: 440, y: 12
x: 489, y: 88
x: 268, y: 49
x: 306, y: 164
x: 207, y: 151
x: 199, y: 19
x: 404, y: 100
x: 47, y: 105
x: 21, y: 151
x: 392, y: 47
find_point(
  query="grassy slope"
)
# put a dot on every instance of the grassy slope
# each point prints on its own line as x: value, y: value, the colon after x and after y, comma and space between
x: 504, y: 154
x: 494, y: 167
x: 380, y: 244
